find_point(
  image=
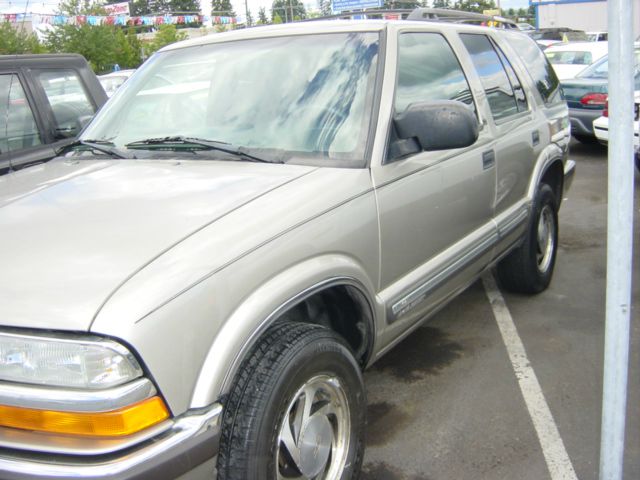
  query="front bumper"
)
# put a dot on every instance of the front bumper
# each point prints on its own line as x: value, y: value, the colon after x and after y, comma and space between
x: 188, y: 444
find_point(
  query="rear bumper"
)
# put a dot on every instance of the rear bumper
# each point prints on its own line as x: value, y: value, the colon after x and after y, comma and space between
x: 191, y: 442
x: 582, y: 121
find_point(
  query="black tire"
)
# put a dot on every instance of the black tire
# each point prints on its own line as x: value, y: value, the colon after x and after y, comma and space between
x: 529, y: 268
x: 268, y: 389
x: 586, y: 139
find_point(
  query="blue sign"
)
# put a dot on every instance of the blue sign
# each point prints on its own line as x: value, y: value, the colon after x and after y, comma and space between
x: 339, y: 6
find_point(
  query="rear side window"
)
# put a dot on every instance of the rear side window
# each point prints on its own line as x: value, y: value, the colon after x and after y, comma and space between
x: 541, y: 71
x: 428, y: 70
x: 500, y: 93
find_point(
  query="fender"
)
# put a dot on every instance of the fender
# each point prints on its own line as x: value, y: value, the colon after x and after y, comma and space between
x: 549, y: 155
x: 250, y: 320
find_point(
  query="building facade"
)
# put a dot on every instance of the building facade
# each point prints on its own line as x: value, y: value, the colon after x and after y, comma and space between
x: 587, y: 15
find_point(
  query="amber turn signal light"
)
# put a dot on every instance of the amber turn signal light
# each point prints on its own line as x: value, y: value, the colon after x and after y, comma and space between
x: 114, y: 423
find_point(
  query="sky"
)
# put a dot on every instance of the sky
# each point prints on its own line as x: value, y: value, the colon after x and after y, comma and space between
x: 44, y: 6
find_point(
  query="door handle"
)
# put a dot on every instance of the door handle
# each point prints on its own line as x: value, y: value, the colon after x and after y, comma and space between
x: 488, y: 159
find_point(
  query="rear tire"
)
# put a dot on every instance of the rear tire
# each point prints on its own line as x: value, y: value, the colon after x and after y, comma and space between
x: 529, y: 268
x: 296, y: 410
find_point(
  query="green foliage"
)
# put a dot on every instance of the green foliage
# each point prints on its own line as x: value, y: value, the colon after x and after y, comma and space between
x: 103, y: 45
x: 289, y: 10
x: 395, y: 4
x: 222, y: 8
x: 276, y: 18
x: 165, y: 35
x: 184, y: 6
x: 262, y: 16
x: 139, y: 7
x: 325, y: 7
x: 249, y: 20
x: 80, y: 7
x: 14, y: 40
x: 477, y: 6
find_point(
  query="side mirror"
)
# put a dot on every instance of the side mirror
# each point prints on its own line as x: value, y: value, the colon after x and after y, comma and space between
x: 439, y: 125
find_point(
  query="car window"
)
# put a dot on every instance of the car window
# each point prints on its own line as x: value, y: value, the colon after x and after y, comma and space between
x: 521, y: 98
x: 68, y: 99
x: 307, y: 98
x: 18, y: 129
x: 537, y: 65
x: 600, y: 69
x: 493, y: 76
x: 569, y: 58
x: 428, y: 70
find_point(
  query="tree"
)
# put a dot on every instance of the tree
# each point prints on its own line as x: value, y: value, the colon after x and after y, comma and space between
x: 441, y: 4
x: 222, y: 8
x: 477, y: 6
x: 395, y: 4
x: 288, y: 10
x: 15, y: 40
x: 325, y: 7
x: 102, y: 45
x: 184, y: 6
x: 165, y: 35
x: 262, y: 16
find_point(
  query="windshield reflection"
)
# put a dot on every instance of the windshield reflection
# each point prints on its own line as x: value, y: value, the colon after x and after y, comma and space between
x: 309, y: 96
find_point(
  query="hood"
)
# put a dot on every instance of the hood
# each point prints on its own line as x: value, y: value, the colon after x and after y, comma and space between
x: 72, y: 232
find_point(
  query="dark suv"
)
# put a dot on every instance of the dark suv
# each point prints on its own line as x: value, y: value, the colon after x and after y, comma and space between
x: 44, y: 101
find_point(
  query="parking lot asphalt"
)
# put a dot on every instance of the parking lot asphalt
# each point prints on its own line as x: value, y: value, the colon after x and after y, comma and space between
x: 446, y: 403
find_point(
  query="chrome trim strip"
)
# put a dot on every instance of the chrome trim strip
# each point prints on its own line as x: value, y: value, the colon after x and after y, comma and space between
x: 192, y: 440
x: 72, y: 400
x: 513, y: 220
x: 414, y: 298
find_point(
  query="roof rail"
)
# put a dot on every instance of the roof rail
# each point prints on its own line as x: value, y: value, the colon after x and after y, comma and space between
x: 459, y: 16
x: 425, y: 14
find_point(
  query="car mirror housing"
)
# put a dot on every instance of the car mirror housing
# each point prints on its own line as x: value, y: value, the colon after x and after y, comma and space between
x: 439, y: 125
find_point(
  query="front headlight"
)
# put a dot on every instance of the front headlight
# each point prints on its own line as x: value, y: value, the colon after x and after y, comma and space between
x: 74, y: 385
x: 86, y: 363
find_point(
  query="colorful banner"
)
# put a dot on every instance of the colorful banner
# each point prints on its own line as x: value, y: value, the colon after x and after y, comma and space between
x: 122, y: 20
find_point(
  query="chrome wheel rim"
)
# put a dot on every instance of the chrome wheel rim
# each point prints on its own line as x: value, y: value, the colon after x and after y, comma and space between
x: 545, y: 243
x: 313, y: 439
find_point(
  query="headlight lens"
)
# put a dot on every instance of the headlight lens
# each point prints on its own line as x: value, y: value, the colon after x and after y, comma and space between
x: 88, y: 363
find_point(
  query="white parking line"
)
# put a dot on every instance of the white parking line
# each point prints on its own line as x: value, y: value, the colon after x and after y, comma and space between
x: 555, y: 454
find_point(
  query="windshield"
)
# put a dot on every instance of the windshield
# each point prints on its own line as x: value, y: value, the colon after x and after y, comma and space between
x: 600, y: 69
x: 306, y: 98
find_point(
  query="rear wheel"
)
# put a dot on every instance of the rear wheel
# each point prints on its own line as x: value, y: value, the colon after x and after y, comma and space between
x: 529, y: 268
x: 296, y: 410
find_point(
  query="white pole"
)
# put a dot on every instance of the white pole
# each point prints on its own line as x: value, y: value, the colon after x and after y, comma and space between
x: 619, y: 238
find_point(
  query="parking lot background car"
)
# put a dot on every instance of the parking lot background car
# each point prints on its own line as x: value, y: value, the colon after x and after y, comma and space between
x: 598, y: 36
x: 570, y: 59
x: 114, y: 80
x: 44, y: 102
x: 601, y: 128
x: 586, y: 95
x: 227, y: 250
x: 545, y: 37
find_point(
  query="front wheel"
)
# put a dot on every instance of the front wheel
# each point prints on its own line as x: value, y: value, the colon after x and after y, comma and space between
x: 296, y: 410
x: 529, y: 268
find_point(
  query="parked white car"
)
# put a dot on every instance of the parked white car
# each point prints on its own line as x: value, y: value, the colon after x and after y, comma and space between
x: 601, y: 128
x: 114, y: 80
x: 569, y: 59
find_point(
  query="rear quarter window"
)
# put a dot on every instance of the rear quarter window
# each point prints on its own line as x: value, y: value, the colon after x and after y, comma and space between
x: 537, y: 65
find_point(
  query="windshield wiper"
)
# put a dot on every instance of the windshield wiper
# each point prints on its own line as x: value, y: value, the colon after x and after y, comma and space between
x: 102, y: 146
x: 181, y: 142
